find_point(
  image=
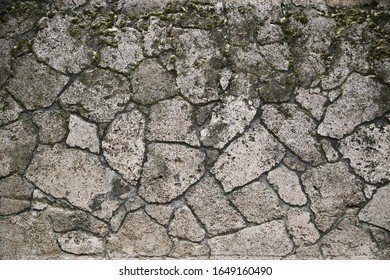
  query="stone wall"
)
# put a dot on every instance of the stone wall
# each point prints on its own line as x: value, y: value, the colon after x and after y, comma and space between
x: 195, y: 129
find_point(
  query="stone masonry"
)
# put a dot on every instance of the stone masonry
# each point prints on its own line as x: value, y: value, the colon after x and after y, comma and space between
x: 195, y: 129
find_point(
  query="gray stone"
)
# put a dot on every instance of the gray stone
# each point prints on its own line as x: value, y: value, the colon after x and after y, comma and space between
x: 34, y: 84
x: 377, y: 212
x: 134, y: 203
x: 134, y: 240
x: 185, y: 225
x: 277, y: 55
x: 117, y: 218
x: 5, y: 54
x: 209, y: 204
x: 156, y: 37
x: 332, y: 190
x: 18, y: 142
x: 293, y: 162
x: 348, y: 111
x: 286, y: 183
x: 369, y: 153
x: 14, y: 195
x: 97, y: 94
x: 52, y: 125
x: 68, y: 4
x: 301, y: 227
x: 269, y: 240
x: 188, y: 250
x: 80, y: 243
x: 169, y: 171
x: 151, y: 82
x: 277, y: 87
x: 258, y: 203
x: 269, y: 33
x: 382, y: 69
x: 9, y: 109
x: 161, y: 213
x: 82, y: 134
x: 40, y: 201
x: 331, y: 153
x: 126, y: 53
x: 311, y: 252
x: 171, y: 121
x: 138, y: 8
x: 294, y: 128
x: 27, y: 236
x: 246, y: 158
x: 312, y: 100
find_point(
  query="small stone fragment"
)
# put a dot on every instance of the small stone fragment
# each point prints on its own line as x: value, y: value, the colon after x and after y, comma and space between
x: 80, y: 243
x: 188, y: 250
x: 52, y: 125
x: 300, y: 227
x: 9, y: 109
x: 14, y: 195
x: 185, y: 225
x: 82, y: 134
x: 330, y: 153
x: 162, y: 213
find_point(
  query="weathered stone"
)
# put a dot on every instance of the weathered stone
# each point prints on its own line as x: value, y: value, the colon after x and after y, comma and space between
x: 76, y: 176
x: 300, y: 227
x: 169, y: 171
x: 27, y: 236
x: 312, y: 100
x: 277, y: 87
x: 331, y: 153
x: 126, y: 53
x: 377, y: 212
x: 40, y: 200
x: 68, y: 4
x: 277, y: 55
x: 369, y: 152
x: 269, y: 33
x: 97, y: 94
x: 151, y: 82
x: 348, y: 111
x: 185, y: 225
x: 332, y: 190
x: 286, y: 183
x: 52, y: 125
x: 247, y: 158
x: 82, y: 134
x: 294, y: 128
x: 80, y: 243
x: 156, y: 37
x: 34, y: 84
x: 9, y: 109
x: 269, y: 240
x: 311, y: 252
x: 212, y: 208
x: 382, y: 69
x: 171, y: 120
x: 17, y: 145
x: 138, y: 8
x: 188, y: 250
x: 293, y: 162
x: 14, y: 195
x: 138, y: 236
x: 161, y: 213
x: 117, y: 218
x: 5, y: 54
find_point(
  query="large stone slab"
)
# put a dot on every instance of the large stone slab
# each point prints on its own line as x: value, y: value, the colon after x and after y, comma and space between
x: 82, y: 134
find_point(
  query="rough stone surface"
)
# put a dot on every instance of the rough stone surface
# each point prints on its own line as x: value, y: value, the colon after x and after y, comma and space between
x: 312, y: 100
x: 5, y: 53
x: 80, y: 243
x: 300, y: 227
x: 9, y: 108
x: 188, y: 250
x: 82, y: 134
x: 14, y: 195
x: 161, y: 213
x: 51, y: 124
x: 185, y: 225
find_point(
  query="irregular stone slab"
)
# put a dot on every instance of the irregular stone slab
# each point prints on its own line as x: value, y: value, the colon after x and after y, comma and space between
x: 294, y: 128
x: 156, y: 37
x: 246, y: 158
x: 35, y: 84
x: 5, y: 54
x: 171, y: 120
x: 269, y: 33
x: 63, y: 45
x: 151, y: 82
x: 269, y: 240
x: 169, y: 171
x: 258, y: 203
x: 123, y: 146
x: 9, y: 109
x: 377, y: 212
x: 14, y: 195
x: 185, y: 225
x: 52, y: 125
x: 188, y: 250
x: 332, y: 190
x: 351, y: 109
x: 369, y: 152
x: 126, y: 53
x: 27, y: 236
x: 331, y: 153
x: 18, y: 142
x: 139, y: 236
x: 82, y: 134
x: 97, y: 94
x: 76, y: 176
x: 286, y: 183
x: 80, y: 243
x: 210, y: 205
x: 300, y: 227
x: 312, y: 100
x: 312, y: 252
x: 162, y: 213
x: 277, y: 87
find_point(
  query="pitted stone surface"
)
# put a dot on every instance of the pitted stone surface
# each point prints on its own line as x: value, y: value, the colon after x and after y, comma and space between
x: 312, y: 100
x: 185, y: 225
x: 9, y: 108
x: 247, y: 158
x: 189, y: 250
x: 82, y: 134
x: 161, y: 213
x: 5, y: 54
x: 14, y: 195
x: 300, y: 227
x: 80, y: 243
x: 52, y: 125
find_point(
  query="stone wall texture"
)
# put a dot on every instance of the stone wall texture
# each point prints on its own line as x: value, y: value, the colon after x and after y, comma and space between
x: 207, y: 129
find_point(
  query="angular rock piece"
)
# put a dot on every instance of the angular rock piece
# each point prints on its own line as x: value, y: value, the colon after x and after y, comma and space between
x: 294, y: 128
x: 52, y: 125
x: 369, y: 152
x: 139, y: 236
x: 188, y: 250
x: 81, y: 243
x: 34, y: 84
x: 300, y: 227
x: 286, y: 183
x: 363, y: 99
x: 14, y: 195
x: 209, y: 204
x: 332, y: 190
x: 17, y: 145
x: 162, y: 213
x: 169, y: 171
x: 377, y: 212
x: 27, y: 236
x: 185, y: 225
x: 258, y: 203
x: 247, y: 158
x: 269, y: 240
x: 9, y: 109
x: 98, y: 95
x: 151, y: 82
x: 82, y: 134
